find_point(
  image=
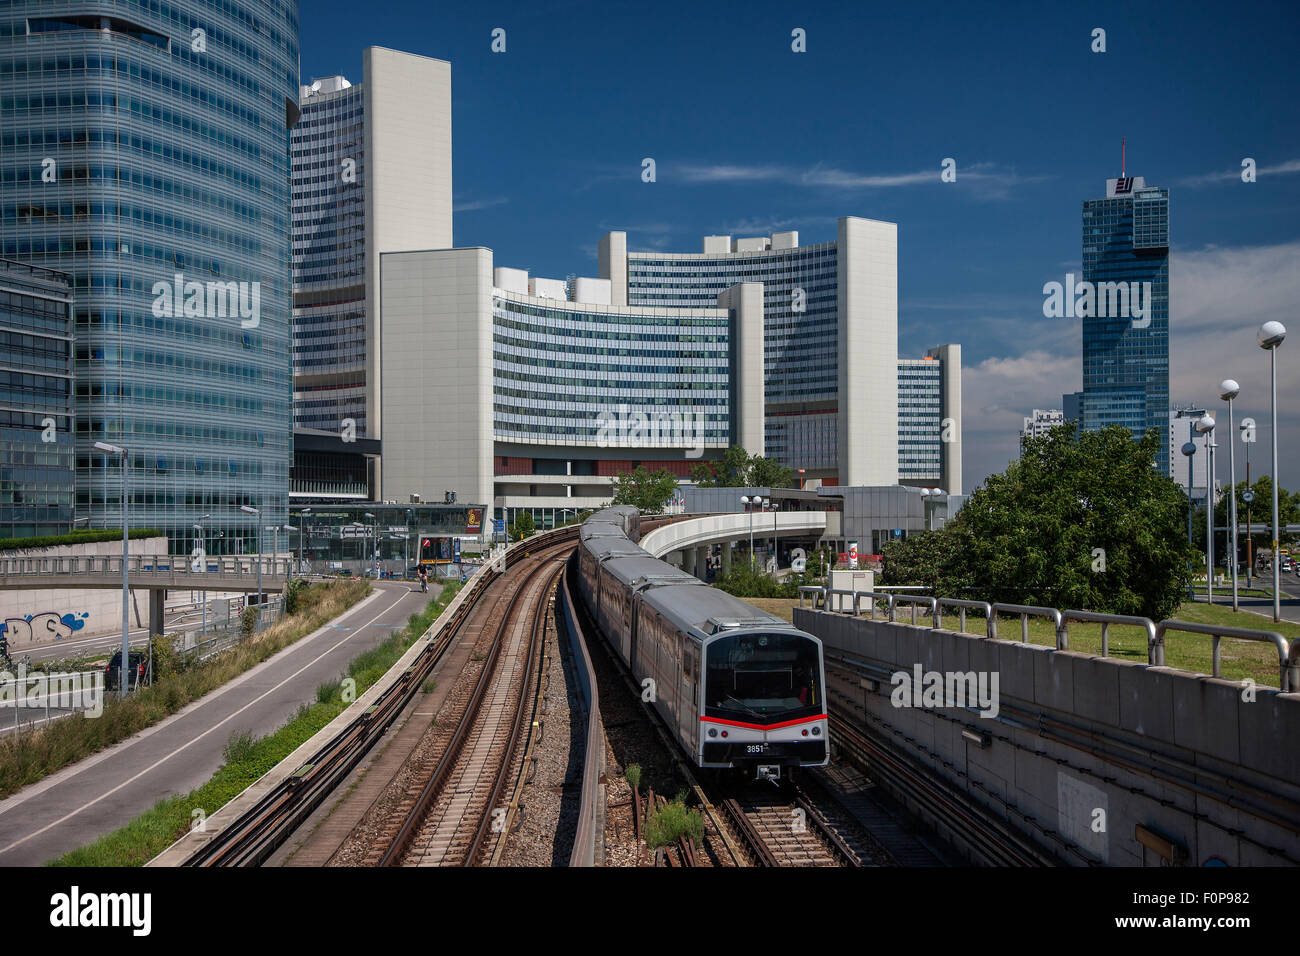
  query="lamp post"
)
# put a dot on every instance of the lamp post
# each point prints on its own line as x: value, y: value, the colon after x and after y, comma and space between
x: 126, y: 587
x: 746, y: 500
x: 288, y: 528
x: 374, y: 530
x: 406, y: 548
x: 1271, y: 335
x: 257, y: 511
x: 302, y: 530
x: 776, y: 558
x: 203, y: 551
x: 1189, y: 449
x: 1205, y: 425
x: 1228, y: 390
x: 1248, y: 496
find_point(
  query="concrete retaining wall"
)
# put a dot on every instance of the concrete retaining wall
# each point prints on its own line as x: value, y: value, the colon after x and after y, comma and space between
x: 40, y: 616
x: 1084, y: 753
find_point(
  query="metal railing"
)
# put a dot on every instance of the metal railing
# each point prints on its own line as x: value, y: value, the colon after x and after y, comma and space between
x: 242, y: 566
x: 1288, y: 653
x: 1288, y: 656
x: 1155, y: 643
x: 963, y: 607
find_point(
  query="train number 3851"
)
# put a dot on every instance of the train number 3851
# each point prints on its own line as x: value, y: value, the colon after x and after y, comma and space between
x: 756, y: 748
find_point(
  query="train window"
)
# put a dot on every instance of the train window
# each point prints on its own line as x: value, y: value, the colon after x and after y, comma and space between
x: 762, y: 678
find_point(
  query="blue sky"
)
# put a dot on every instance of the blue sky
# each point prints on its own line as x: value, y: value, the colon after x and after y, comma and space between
x: 749, y: 136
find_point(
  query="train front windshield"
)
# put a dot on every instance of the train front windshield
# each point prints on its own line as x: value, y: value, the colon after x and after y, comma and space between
x: 762, y: 678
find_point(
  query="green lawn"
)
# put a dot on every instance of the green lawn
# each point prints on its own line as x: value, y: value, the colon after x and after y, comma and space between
x: 1240, y: 659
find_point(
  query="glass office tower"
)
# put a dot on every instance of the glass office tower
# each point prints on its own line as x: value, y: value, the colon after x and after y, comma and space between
x: 144, y: 151
x: 1126, y: 355
x: 36, y: 424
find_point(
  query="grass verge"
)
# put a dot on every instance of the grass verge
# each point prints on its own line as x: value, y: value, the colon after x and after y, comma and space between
x: 1191, y: 652
x: 248, y: 758
x: 29, y: 755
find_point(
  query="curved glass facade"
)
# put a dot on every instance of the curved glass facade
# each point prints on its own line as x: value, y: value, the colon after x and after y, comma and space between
x: 561, y: 375
x: 329, y: 261
x: 144, y: 151
x: 800, y: 358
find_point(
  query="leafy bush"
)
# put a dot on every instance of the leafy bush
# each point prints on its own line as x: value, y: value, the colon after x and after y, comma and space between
x: 248, y: 622
x: 294, y: 593
x: 744, y: 581
x: 671, y: 821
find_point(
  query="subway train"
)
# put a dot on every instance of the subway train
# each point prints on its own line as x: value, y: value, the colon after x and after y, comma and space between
x: 738, y: 687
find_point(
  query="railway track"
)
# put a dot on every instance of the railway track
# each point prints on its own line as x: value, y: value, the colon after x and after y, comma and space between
x: 252, y: 837
x: 787, y: 827
x: 456, y: 811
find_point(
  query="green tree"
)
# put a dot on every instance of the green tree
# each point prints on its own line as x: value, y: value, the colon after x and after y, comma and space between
x: 647, y: 490
x: 1079, y: 521
x: 523, y: 526
x: 737, y: 469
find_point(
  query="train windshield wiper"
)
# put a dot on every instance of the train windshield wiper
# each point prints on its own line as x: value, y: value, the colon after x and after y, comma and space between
x: 741, y: 705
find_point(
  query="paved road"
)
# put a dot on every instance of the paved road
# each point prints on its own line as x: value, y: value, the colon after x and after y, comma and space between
x: 107, y: 790
x: 1263, y: 606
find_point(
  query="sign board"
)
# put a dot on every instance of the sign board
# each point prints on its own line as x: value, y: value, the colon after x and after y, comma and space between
x: 499, y: 525
x: 853, y: 554
x: 349, y: 532
x: 474, y: 521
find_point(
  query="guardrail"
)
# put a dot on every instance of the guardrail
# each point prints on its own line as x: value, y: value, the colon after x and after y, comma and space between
x: 1288, y: 653
x: 238, y: 566
x: 584, y: 838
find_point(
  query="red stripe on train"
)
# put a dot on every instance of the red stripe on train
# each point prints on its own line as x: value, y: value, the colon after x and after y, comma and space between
x: 741, y: 723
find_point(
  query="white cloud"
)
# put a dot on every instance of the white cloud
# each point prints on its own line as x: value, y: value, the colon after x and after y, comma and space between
x: 473, y: 204
x: 1234, y: 175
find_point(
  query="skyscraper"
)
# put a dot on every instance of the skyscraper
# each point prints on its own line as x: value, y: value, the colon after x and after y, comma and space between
x: 830, y: 333
x: 1126, y: 324
x: 371, y: 174
x: 144, y: 152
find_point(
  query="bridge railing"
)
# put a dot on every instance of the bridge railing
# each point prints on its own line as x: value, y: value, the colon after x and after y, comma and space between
x: 1288, y: 655
x: 138, y: 564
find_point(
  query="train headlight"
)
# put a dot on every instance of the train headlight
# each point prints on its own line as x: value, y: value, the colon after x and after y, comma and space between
x: 713, y: 731
x: 804, y: 732
x: 817, y: 731
x: 724, y: 733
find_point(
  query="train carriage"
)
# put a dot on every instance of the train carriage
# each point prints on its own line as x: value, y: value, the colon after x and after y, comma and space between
x: 738, y: 686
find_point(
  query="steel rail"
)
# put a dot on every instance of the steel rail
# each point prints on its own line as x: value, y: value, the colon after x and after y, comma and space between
x: 254, y: 835
x: 434, y: 785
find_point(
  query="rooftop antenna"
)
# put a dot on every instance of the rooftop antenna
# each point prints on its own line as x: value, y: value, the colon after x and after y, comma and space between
x: 1123, y: 158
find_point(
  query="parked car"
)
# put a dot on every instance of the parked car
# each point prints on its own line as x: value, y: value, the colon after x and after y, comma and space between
x: 137, y: 671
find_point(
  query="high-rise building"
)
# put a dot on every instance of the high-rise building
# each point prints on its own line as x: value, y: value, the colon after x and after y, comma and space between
x: 1072, y: 407
x: 37, y: 480
x: 830, y: 334
x: 143, y: 151
x: 1126, y: 326
x: 1041, y: 422
x: 371, y: 174
x: 929, y: 420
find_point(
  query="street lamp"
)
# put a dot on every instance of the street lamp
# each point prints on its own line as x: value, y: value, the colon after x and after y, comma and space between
x: 289, y: 554
x: 1189, y: 449
x: 406, y: 548
x: 1205, y: 425
x: 257, y: 511
x: 126, y: 587
x: 302, y: 530
x: 1271, y: 335
x: 203, y: 552
x: 776, y: 557
x: 374, y: 527
x: 1228, y: 390
x: 1248, y: 496
x: 746, y: 500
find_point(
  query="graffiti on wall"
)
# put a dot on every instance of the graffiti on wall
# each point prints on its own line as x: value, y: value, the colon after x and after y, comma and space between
x: 43, y: 627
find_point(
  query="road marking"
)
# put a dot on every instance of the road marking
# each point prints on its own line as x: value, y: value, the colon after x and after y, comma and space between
x: 187, y: 744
